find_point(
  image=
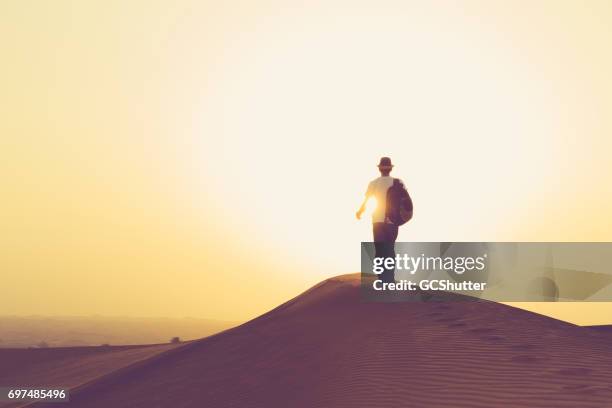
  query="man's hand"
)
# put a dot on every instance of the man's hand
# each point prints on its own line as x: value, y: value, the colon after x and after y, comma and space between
x: 361, y: 208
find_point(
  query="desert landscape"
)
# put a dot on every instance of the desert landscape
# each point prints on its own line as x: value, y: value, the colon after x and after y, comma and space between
x: 328, y: 348
x: 186, y: 186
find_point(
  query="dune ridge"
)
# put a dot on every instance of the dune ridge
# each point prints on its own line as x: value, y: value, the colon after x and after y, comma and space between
x: 327, y: 348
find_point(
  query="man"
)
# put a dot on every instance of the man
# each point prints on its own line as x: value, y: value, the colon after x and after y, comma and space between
x: 385, y: 232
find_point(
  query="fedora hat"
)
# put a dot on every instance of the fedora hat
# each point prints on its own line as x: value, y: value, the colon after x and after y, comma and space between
x: 385, y: 163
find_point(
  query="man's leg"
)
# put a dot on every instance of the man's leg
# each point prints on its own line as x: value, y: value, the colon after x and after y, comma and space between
x: 390, y: 235
x: 384, y: 242
x: 379, y: 239
x: 378, y: 233
x: 392, y: 231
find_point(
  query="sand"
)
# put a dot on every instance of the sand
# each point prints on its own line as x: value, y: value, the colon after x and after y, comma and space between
x: 70, y: 367
x: 327, y: 348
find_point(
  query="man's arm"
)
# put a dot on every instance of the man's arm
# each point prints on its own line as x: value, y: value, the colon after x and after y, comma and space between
x: 363, y: 204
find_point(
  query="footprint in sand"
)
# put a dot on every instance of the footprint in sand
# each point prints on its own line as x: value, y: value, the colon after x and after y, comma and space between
x: 575, y: 371
x: 575, y: 387
x: 493, y: 339
x: 523, y: 359
x: 446, y: 320
x: 523, y: 347
x: 481, y: 330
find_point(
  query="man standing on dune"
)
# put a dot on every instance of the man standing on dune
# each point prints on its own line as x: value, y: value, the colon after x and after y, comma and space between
x: 393, y: 208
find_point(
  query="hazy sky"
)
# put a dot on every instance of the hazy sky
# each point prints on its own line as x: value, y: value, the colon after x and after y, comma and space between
x: 206, y: 158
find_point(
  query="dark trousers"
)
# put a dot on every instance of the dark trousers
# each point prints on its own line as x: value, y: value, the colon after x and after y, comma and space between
x: 384, y: 244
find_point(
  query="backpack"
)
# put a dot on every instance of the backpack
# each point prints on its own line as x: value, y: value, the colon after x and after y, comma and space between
x: 399, y: 204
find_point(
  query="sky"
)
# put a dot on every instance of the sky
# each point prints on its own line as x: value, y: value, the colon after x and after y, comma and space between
x: 206, y: 158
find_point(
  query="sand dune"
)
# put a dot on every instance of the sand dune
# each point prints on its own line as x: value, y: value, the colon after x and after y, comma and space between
x: 69, y: 366
x: 326, y: 348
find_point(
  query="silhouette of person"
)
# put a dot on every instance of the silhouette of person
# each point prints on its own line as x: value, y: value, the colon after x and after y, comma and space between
x: 385, y: 232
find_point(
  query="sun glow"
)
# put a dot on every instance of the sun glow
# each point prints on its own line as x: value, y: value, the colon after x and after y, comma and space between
x: 371, y: 205
x: 216, y: 128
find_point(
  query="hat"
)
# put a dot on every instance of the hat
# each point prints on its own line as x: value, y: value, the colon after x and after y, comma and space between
x: 385, y: 163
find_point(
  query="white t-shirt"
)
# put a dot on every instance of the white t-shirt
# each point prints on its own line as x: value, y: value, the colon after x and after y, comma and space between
x: 378, y: 189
